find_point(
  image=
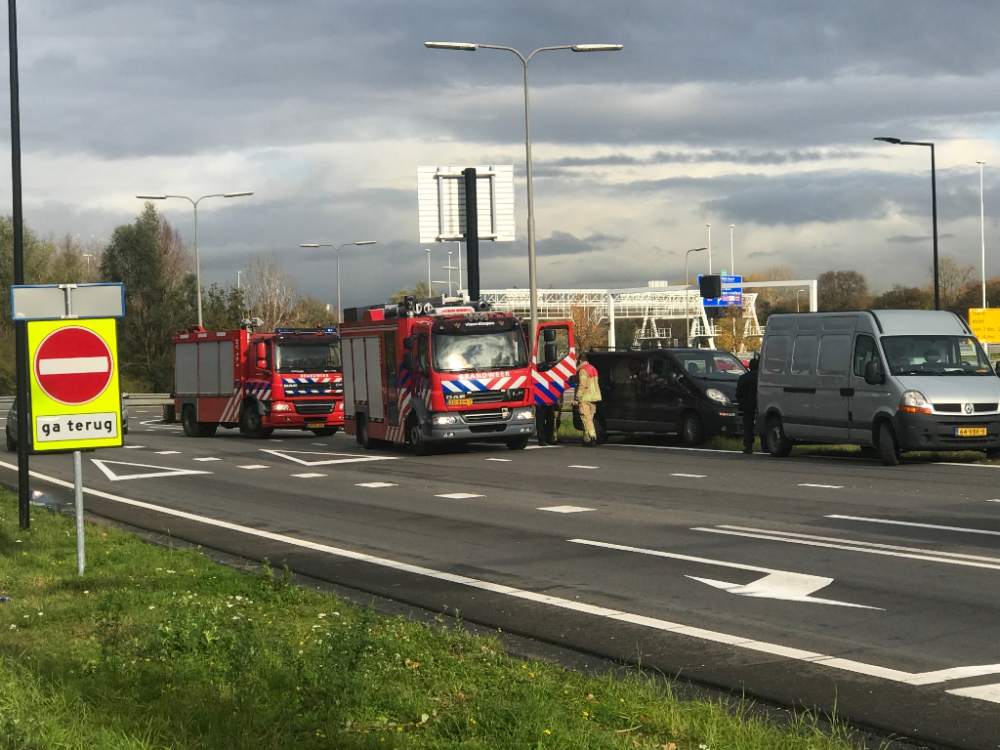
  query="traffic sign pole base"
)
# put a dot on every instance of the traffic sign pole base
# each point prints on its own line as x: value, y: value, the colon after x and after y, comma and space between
x: 78, y: 506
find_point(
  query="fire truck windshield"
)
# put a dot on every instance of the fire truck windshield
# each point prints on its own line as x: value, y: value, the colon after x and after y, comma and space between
x: 308, y: 356
x: 462, y: 351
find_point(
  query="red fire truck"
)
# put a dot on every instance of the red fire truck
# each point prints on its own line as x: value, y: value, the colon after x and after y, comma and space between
x: 424, y: 373
x: 289, y: 379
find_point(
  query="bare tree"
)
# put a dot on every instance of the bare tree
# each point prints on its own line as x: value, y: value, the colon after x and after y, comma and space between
x: 270, y: 294
x: 952, y: 277
x: 588, y: 332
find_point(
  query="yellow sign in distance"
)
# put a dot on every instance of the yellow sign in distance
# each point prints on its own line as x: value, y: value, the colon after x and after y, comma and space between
x: 75, y: 392
x: 985, y: 323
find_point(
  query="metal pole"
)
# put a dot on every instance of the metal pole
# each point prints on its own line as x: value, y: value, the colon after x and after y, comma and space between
x: 340, y: 309
x: 78, y: 506
x: 430, y: 284
x: 732, y: 257
x: 982, y: 226
x: 460, y: 261
x: 937, y: 282
x: 532, y: 275
x: 612, y: 343
x: 20, y: 328
x: 449, y: 273
x: 709, y: 249
x: 197, y: 258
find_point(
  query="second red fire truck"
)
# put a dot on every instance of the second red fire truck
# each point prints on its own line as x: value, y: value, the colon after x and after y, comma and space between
x: 288, y: 379
x: 425, y: 373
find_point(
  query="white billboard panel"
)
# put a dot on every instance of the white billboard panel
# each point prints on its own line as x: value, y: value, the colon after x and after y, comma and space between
x: 441, y: 198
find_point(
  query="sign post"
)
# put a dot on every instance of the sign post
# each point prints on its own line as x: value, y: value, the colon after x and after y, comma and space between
x: 75, y: 394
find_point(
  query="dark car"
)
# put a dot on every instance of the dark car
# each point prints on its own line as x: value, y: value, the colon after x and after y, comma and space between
x: 686, y: 392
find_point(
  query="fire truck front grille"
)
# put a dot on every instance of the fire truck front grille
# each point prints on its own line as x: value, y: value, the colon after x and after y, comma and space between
x: 493, y: 397
x: 315, y: 407
x: 474, y: 417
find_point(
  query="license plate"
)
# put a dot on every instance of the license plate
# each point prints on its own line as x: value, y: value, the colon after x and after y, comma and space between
x: 970, y: 432
x: 315, y: 425
x: 459, y: 401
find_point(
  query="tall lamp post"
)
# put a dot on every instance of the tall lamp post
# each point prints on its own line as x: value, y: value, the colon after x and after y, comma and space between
x: 466, y: 47
x: 898, y: 142
x: 709, y: 248
x: 336, y: 248
x: 194, y: 203
x: 430, y: 284
x: 687, y: 276
x: 982, y: 226
x: 687, y: 293
x: 732, y: 256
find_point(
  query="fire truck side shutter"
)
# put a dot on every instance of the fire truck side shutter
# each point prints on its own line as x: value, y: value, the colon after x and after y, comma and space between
x: 347, y: 360
x: 186, y: 369
x: 360, y: 378
x: 373, y: 359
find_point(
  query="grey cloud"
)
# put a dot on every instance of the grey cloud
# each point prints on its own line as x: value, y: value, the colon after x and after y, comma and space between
x: 727, y: 156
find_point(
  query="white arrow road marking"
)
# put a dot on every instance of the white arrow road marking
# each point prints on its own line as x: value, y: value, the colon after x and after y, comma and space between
x: 337, y: 458
x: 989, y: 693
x: 702, y: 634
x: 158, y: 471
x: 914, y: 524
x: 777, y: 584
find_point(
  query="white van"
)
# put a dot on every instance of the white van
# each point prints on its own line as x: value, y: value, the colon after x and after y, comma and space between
x: 887, y: 380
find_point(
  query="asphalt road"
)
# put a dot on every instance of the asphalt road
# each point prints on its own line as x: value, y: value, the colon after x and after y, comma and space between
x: 832, y: 583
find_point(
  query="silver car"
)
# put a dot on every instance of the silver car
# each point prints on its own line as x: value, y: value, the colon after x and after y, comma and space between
x: 11, y: 429
x: 889, y: 381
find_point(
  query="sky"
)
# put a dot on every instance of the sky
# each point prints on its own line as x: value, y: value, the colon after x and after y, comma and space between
x: 759, y: 115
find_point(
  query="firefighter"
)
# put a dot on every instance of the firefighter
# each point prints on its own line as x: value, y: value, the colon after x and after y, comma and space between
x: 588, y: 393
x: 547, y: 419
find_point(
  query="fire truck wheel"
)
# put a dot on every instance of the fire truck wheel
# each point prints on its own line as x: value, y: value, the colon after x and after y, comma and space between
x: 416, y: 437
x: 251, y: 425
x: 325, y: 432
x: 189, y: 421
x: 517, y: 444
x: 364, y: 437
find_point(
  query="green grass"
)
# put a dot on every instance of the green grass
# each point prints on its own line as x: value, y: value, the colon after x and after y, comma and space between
x: 159, y: 648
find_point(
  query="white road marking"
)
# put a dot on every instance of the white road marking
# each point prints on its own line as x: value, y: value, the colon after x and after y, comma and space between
x: 142, y: 411
x: 308, y: 476
x: 158, y: 471
x: 323, y: 445
x: 504, y: 460
x: 690, y: 476
x: 209, y: 458
x: 459, y: 495
x: 914, y: 524
x: 133, y: 447
x: 889, y: 550
x: 989, y: 693
x: 254, y: 466
x: 776, y: 584
x: 711, y: 636
x: 274, y: 440
x: 375, y: 485
x: 996, y: 500
x: 539, y: 447
x: 157, y: 424
x: 566, y: 509
x: 338, y: 458
x: 823, y: 486
x: 581, y: 466
x: 166, y: 453
x: 956, y: 463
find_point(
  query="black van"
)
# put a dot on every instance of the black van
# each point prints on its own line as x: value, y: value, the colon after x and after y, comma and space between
x: 687, y: 392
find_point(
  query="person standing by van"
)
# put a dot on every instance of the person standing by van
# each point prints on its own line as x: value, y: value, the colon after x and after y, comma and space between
x: 746, y: 397
x: 588, y: 393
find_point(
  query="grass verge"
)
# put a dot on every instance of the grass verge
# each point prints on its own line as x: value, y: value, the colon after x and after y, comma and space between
x: 159, y: 648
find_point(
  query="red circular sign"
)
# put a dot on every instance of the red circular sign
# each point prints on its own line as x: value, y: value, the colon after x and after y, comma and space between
x: 73, y: 365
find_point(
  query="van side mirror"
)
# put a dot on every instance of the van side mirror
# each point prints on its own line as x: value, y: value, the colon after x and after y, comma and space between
x: 551, y: 354
x: 549, y: 334
x: 873, y: 373
x: 408, y: 343
x: 407, y: 360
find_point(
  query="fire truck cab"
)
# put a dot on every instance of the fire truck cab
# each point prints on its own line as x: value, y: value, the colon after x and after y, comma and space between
x: 288, y: 379
x: 433, y: 372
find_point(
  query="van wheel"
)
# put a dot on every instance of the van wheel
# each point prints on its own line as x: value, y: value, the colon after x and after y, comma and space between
x: 416, y: 436
x: 869, y: 451
x: 517, y: 444
x: 888, y: 448
x: 251, y: 424
x: 778, y: 445
x: 692, y: 430
x: 11, y: 443
x: 601, y: 428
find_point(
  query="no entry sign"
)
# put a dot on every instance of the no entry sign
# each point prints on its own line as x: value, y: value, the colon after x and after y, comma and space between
x: 73, y: 365
x: 75, y: 394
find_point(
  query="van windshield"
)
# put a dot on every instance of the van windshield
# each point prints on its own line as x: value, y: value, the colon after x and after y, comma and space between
x: 711, y: 365
x: 935, y: 355
x: 469, y: 352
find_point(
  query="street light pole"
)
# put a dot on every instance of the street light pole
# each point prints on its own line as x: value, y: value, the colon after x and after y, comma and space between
x: 709, y: 248
x: 194, y: 203
x: 732, y: 256
x: 430, y: 284
x: 982, y: 226
x: 336, y: 249
x: 687, y: 295
x: 898, y: 142
x: 467, y: 47
x: 687, y: 276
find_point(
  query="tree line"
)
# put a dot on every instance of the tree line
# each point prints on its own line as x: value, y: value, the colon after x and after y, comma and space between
x: 156, y: 267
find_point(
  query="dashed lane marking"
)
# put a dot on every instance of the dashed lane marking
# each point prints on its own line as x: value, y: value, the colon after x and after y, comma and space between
x: 133, y: 447
x: 209, y: 458
x: 581, y: 466
x: 916, y: 525
x: 375, y: 485
x: 308, y: 476
x: 166, y: 453
x: 566, y: 509
x: 459, y: 495
x: 539, y: 447
x: 253, y: 466
x: 504, y: 460
x: 823, y: 486
x: 711, y: 636
x: 691, y: 476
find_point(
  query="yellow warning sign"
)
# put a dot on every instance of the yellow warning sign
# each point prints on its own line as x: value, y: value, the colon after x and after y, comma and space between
x: 75, y: 394
x: 985, y: 323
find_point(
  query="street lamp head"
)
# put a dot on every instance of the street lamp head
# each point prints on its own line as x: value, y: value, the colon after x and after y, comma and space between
x: 697, y: 249
x: 310, y: 244
x: 151, y: 197
x: 237, y: 195
x: 596, y: 47
x: 979, y: 162
x: 889, y: 140
x: 365, y: 242
x: 463, y: 46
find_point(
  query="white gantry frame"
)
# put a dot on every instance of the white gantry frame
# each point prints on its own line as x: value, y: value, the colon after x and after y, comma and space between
x: 646, y: 303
